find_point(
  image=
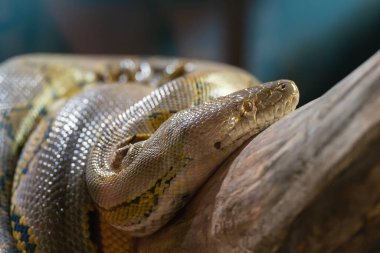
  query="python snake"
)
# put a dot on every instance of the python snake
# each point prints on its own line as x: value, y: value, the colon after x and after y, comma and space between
x: 95, y: 152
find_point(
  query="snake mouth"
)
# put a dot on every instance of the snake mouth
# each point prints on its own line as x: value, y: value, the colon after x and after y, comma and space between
x: 282, y: 109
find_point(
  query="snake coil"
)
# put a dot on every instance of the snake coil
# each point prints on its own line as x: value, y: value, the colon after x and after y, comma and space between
x: 95, y: 151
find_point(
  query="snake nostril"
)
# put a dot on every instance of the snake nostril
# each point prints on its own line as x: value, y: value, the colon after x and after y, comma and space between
x: 218, y: 145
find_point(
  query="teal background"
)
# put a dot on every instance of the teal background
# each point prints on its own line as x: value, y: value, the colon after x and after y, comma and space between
x: 315, y: 43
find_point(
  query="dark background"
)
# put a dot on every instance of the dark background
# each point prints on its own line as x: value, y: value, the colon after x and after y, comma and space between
x: 315, y: 43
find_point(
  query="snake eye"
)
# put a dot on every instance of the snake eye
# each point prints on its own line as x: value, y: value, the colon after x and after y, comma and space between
x: 283, y: 86
x: 247, y: 106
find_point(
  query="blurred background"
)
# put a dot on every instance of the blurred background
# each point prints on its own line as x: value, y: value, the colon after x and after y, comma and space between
x: 315, y: 43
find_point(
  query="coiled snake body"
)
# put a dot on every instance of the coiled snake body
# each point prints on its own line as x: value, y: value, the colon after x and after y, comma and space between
x: 92, y: 165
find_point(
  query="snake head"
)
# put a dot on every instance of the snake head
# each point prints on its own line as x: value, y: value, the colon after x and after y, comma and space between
x: 230, y: 120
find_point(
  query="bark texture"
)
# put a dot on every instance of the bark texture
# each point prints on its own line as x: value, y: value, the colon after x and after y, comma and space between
x: 309, y: 183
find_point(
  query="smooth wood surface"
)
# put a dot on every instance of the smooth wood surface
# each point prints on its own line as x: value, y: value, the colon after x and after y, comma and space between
x: 309, y: 183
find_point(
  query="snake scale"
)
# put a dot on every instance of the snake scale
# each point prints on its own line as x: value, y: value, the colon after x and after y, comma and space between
x: 95, y: 152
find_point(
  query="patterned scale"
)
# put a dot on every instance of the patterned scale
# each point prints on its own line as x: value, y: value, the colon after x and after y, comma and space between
x: 53, y: 162
x: 22, y: 83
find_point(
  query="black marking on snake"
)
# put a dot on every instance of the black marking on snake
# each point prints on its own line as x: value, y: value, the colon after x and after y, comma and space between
x: 2, y: 182
x: 23, y: 230
x: 43, y: 112
x: 6, y: 116
x: 200, y: 90
x: 155, y: 198
x: 150, y: 190
x: 218, y: 145
x: 154, y: 115
x: 8, y: 128
x: 133, y: 138
x: 94, y: 229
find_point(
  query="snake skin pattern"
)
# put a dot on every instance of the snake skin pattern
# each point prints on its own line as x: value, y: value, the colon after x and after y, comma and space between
x: 97, y: 151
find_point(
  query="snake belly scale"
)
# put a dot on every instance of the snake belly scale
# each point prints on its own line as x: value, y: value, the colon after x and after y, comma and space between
x: 97, y: 151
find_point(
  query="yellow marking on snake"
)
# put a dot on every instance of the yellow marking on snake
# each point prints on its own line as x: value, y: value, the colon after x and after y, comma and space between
x: 141, y: 205
x: 157, y: 118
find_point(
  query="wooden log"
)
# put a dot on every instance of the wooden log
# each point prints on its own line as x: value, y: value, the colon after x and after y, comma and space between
x: 309, y: 183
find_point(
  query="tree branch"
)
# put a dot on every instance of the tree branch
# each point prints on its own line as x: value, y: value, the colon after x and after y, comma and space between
x: 309, y: 183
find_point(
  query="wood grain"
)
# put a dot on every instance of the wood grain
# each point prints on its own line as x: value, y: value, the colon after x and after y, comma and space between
x: 309, y: 183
